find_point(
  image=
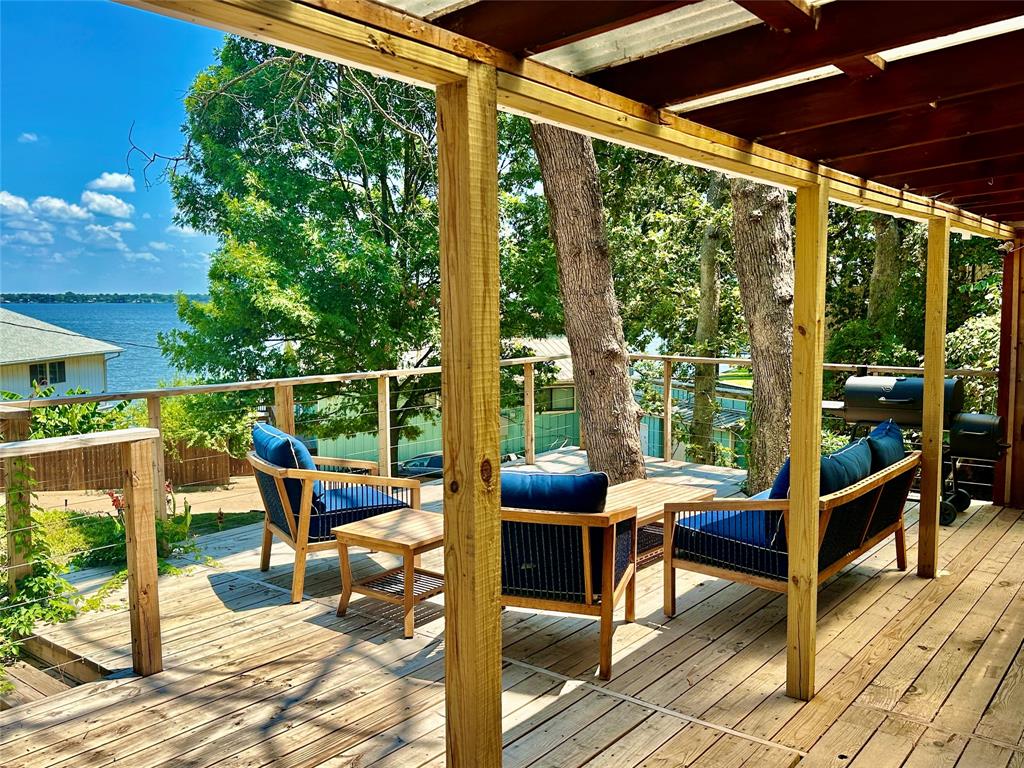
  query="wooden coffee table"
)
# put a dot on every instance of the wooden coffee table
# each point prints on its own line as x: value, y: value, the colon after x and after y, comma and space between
x: 649, y: 497
x: 404, y: 532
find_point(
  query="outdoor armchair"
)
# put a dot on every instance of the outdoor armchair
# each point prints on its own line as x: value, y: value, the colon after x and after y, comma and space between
x: 304, y: 497
x: 561, y: 550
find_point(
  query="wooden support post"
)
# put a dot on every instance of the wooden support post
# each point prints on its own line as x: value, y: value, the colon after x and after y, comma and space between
x: 159, y: 472
x: 140, y: 535
x: 284, y: 408
x: 529, y: 415
x: 384, y: 425
x: 15, y: 423
x: 936, y: 290
x: 666, y: 410
x: 808, y: 357
x: 468, y: 206
x: 1009, y: 482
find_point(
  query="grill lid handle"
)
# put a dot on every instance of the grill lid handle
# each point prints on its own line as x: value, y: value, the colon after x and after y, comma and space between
x: 896, y: 400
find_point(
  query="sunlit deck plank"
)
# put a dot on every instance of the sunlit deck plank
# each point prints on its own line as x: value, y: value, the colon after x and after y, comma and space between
x: 353, y: 690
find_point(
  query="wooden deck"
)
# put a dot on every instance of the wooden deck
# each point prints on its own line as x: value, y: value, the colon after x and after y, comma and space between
x: 911, y: 672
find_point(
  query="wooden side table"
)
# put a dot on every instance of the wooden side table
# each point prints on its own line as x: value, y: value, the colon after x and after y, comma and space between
x: 404, y: 532
x: 649, y: 498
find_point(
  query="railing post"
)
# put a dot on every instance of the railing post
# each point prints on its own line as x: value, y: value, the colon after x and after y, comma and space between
x: 529, y: 415
x: 937, y: 287
x: 284, y: 408
x: 159, y: 470
x: 805, y: 440
x: 16, y: 424
x: 384, y: 425
x: 666, y: 410
x: 140, y: 536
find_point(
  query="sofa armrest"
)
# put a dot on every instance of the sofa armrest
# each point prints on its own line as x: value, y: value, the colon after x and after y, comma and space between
x: 727, y: 505
x: 372, y: 467
x: 582, y: 519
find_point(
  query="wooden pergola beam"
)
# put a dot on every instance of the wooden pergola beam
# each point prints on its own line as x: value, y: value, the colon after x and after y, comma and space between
x: 989, y: 182
x: 892, y: 164
x: 757, y: 54
x: 528, y: 27
x: 944, y: 178
x: 1003, y: 188
x: 783, y: 15
x: 948, y: 73
x: 920, y: 124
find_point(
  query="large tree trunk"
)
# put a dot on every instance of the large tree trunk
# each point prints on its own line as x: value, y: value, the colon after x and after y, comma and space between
x: 609, y: 413
x: 762, y: 244
x: 883, y: 290
x: 705, y: 382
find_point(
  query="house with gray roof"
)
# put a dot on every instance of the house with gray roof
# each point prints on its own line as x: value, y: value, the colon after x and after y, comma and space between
x: 34, y: 351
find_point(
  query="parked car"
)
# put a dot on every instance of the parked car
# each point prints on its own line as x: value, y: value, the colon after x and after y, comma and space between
x: 424, y: 465
x: 432, y: 464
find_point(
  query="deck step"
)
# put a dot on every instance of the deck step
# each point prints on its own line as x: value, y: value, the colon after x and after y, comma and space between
x: 29, y: 684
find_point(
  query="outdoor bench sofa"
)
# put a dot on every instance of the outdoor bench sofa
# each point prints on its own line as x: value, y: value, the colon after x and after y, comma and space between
x: 305, y: 498
x: 864, y: 488
x: 561, y: 550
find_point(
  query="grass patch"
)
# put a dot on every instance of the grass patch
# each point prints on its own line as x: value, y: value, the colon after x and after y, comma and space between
x: 212, y: 522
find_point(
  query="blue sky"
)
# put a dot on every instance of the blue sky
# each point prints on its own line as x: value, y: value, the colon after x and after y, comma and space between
x: 73, y: 215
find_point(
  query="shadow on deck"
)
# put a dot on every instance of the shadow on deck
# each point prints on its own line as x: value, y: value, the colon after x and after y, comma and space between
x: 910, y: 672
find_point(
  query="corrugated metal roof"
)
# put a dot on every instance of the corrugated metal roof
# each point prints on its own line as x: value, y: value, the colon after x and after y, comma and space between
x: 24, y: 339
x: 552, y: 345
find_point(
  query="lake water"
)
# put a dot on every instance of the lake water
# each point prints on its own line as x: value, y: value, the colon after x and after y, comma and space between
x: 131, y: 326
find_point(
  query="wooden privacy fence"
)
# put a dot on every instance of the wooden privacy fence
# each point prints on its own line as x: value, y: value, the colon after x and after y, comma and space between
x: 96, y: 468
x: 137, y: 463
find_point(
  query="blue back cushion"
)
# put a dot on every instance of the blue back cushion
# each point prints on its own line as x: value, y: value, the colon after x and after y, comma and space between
x: 886, y: 443
x: 838, y: 470
x: 554, y: 493
x: 285, y: 451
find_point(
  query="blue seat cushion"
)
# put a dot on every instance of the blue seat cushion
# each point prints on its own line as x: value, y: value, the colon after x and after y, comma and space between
x: 285, y: 451
x: 838, y: 470
x: 348, y: 504
x: 746, y: 541
x: 886, y: 443
x: 586, y: 492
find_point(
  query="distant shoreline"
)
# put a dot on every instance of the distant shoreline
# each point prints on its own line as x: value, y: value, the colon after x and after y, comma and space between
x: 97, y: 298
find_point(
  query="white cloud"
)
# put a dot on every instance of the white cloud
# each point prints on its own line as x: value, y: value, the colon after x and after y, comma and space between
x: 108, y: 205
x: 123, y: 226
x: 12, y: 205
x: 27, y: 237
x: 28, y: 138
x: 147, y: 215
x: 59, y: 210
x: 183, y: 230
x: 113, y: 182
x: 143, y: 256
x: 102, y: 236
x: 160, y: 245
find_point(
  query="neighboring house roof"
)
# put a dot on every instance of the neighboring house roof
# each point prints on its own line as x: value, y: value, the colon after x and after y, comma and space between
x: 552, y: 345
x: 24, y: 339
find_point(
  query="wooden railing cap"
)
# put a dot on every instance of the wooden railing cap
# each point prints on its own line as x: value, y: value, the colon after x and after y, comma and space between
x: 57, y: 444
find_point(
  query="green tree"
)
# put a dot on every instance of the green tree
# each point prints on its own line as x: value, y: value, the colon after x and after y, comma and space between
x: 320, y: 182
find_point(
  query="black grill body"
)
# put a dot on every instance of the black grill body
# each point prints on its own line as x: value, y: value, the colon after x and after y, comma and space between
x: 874, y: 399
x: 977, y: 436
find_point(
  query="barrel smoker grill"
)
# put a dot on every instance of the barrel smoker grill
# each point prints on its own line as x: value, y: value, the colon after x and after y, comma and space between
x: 975, y: 439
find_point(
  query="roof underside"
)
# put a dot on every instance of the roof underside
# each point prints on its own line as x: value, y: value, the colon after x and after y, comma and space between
x: 921, y: 95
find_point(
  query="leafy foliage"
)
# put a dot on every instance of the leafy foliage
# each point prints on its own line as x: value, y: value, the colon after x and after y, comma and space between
x: 975, y: 344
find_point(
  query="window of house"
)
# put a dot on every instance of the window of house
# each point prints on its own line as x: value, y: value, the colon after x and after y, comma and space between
x: 556, y: 399
x: 45, y: 374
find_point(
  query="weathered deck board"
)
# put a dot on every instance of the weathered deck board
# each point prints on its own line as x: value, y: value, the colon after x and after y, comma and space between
x: 911, y: 673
